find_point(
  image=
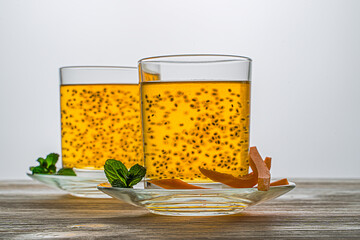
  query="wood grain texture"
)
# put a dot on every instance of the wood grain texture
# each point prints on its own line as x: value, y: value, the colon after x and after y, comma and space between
x: 316, y: 209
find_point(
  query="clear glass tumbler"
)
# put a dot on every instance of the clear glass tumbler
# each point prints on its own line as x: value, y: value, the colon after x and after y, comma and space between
x: 195, y: 113
x: 100, y: 116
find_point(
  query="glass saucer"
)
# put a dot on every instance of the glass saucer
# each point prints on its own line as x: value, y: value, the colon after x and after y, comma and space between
x: 82, y: 185
x: 195, y: 202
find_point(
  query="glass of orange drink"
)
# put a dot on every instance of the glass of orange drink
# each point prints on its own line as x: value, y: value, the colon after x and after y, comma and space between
x: 195, y: 113
x: 100, y: 116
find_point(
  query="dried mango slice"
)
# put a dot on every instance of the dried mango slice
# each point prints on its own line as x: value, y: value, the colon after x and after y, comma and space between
x: 280, y: 182
x: 260, y: 169
x: 173, y: 184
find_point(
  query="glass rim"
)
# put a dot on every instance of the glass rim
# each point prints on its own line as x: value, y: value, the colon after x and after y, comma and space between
x: 97, y: 67
x: 217, y: 58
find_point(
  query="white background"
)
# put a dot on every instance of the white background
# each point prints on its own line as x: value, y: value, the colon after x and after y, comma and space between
x: 306, y: 69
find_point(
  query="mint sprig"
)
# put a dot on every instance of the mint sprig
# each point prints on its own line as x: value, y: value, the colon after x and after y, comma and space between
x: 48, y: 166
x: 119, y: 176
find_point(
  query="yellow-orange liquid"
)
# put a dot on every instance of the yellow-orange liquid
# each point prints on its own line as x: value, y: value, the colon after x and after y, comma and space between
x: 188, y: 125
x: 99, y: 122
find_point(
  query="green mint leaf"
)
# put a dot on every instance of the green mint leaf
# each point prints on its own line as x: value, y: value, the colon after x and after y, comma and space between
x: 122, y: 173
x: 118, y: 183
x: 47, y: 165
x: 52, y: 169
x: 39, y: 170
x: 135, y: 181
x: 51, y: 159
x: 115, y: 170
x: 41, y: 161
x: 66, y: 171
x: 118, y: 175
x: 137, y: 171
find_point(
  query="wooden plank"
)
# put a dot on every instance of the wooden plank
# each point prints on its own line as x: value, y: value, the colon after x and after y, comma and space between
x: 320, y: 209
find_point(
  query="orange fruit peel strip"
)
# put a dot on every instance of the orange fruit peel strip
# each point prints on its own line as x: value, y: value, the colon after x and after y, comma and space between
x: 246, y: 181
x: 173, y: 184
x: 259, y: 167
x: 260, y: 175
x: 280, y: 182
x: 267, y: 162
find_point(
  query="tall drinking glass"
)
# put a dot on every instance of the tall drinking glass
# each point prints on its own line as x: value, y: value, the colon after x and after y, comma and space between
x: 100, y: 116
x: 195, y: 113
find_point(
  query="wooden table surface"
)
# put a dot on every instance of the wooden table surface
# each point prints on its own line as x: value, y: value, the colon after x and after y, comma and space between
x: 316, y: 209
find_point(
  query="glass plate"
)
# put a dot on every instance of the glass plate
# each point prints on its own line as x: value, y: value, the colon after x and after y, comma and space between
x: 82, y: 185
x: 195, y: 202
